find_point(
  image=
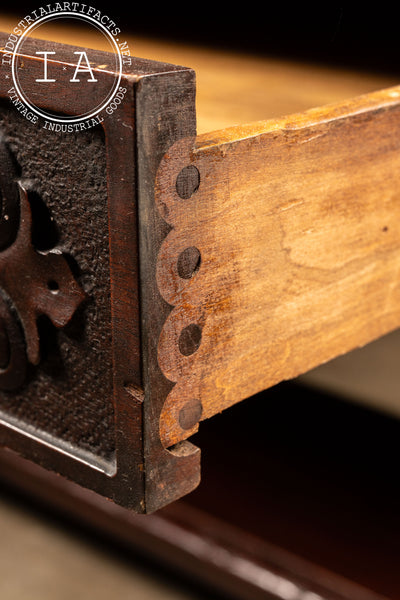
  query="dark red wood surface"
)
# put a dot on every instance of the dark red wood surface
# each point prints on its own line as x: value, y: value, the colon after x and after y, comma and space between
x: 310, y: 506
x: 90, y: 409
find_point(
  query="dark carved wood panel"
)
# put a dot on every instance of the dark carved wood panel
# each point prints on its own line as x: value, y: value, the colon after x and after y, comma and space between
x: 92, y: 394
x: 67, y: 395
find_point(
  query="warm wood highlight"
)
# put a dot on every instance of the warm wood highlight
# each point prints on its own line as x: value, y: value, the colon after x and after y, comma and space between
x: 233, y: 87
x: 296, y: 222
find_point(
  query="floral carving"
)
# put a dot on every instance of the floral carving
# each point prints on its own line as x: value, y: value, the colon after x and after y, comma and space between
x: 32, y: 283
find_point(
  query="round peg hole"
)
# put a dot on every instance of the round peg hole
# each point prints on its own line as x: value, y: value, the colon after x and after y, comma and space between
x: 187, y: 182
x: 188, y: 262
x: 189, y: 339
x: 53, y: 286
x: 190, y: 414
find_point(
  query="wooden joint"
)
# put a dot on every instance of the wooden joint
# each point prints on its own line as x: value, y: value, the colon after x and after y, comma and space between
x: 179, y: 274
x: 283, y: 254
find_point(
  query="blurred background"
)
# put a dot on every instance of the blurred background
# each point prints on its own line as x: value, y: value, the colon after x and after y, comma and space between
x: 339, y: 35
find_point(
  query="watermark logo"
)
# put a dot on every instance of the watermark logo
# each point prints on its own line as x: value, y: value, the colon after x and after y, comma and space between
x: 74, y: 75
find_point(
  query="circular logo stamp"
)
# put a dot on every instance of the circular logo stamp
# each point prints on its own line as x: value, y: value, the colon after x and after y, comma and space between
x: 79, y: 89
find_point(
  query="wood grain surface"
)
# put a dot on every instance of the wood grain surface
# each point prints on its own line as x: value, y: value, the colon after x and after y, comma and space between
x: 296, y: 224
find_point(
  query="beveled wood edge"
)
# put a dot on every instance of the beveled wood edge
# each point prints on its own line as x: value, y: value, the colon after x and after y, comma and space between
x: 379, y: 99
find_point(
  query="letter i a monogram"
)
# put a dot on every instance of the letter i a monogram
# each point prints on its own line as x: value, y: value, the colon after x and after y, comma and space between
x: 79, y: 68
x: 45, y: 79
